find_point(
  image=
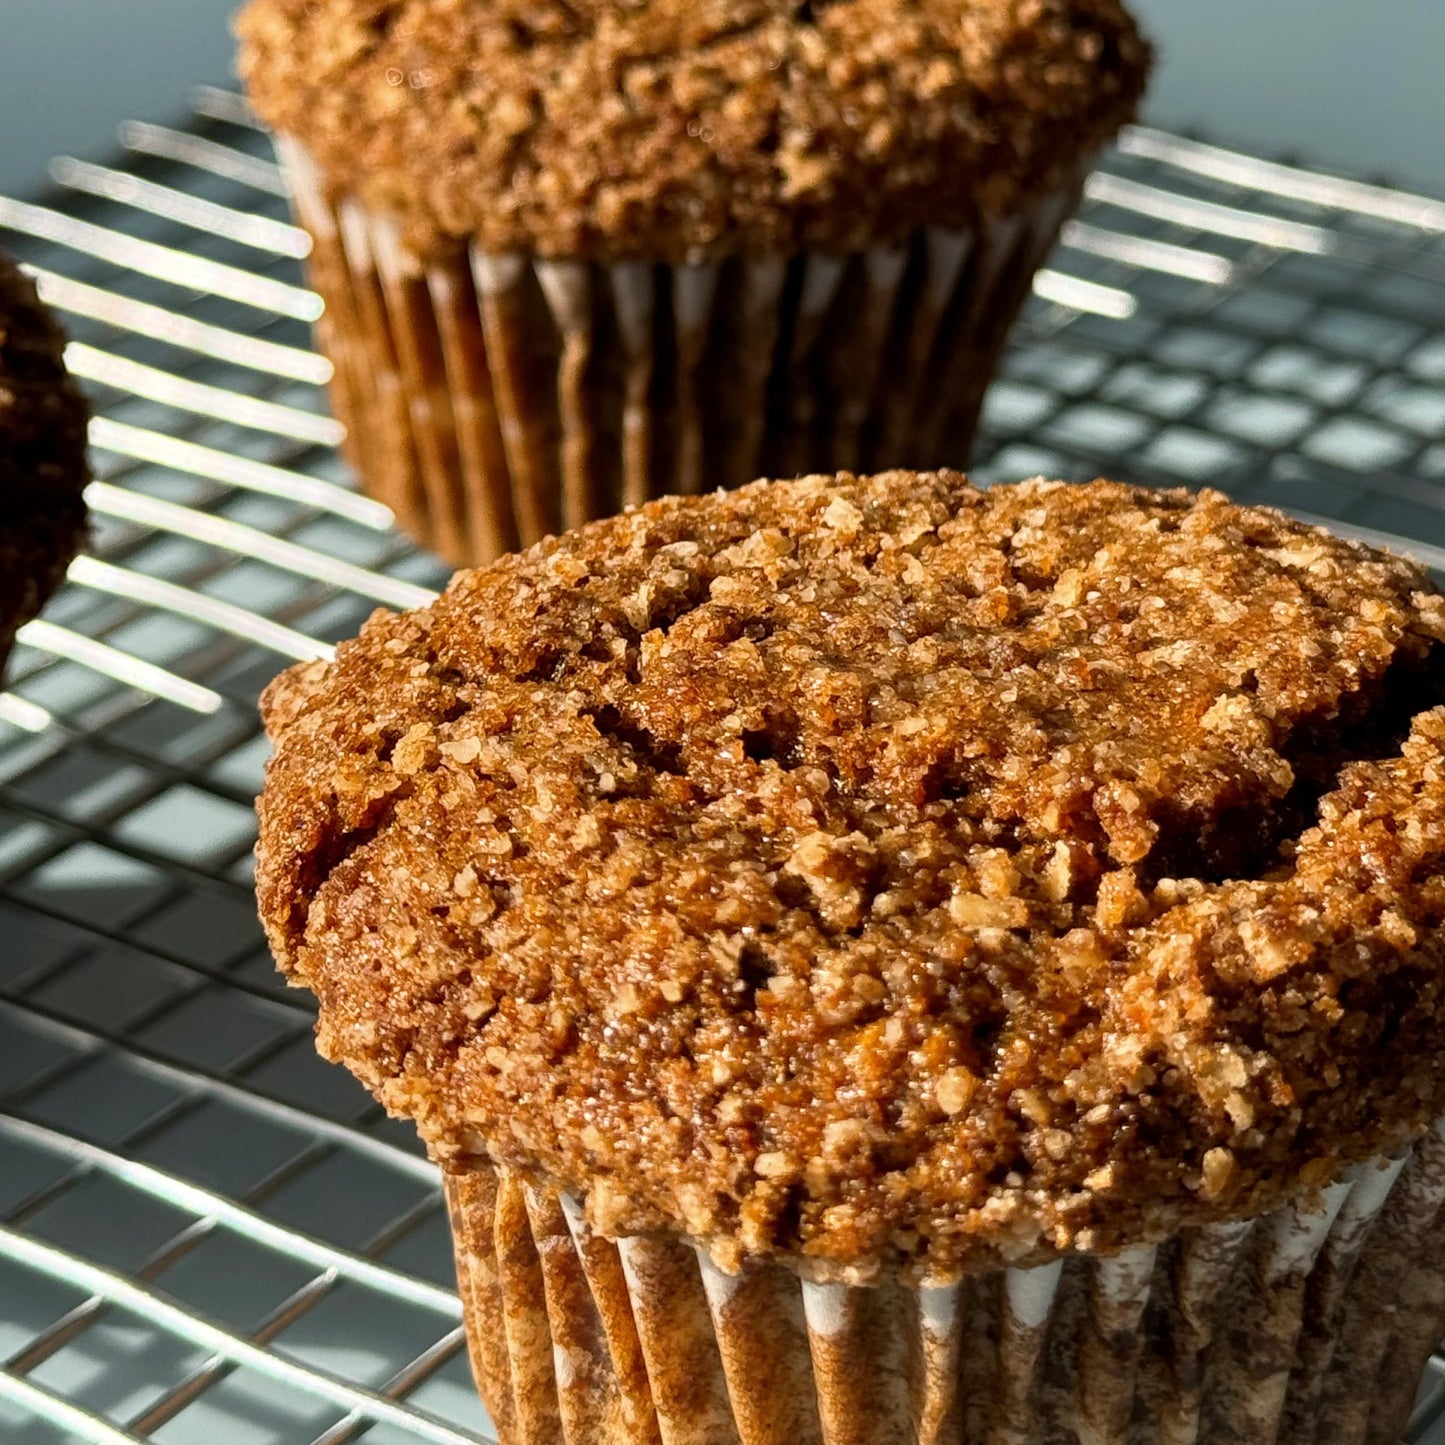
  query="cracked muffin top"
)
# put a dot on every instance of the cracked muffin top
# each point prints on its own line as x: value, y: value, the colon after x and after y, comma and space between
x: 42, y: 454
x: 882, y: 872
x: 672, y: 129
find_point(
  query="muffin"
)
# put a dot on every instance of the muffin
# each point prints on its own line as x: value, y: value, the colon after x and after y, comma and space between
x: 42, y: 456
x: 878, y: 960
x: 576, y: 256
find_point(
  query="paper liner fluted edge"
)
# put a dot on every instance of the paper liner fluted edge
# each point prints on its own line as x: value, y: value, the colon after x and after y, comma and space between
x: 491, y: 399
x: 1307, y: 1326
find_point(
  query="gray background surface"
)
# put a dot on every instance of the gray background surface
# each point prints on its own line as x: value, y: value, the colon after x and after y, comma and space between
x: 1336, y: 81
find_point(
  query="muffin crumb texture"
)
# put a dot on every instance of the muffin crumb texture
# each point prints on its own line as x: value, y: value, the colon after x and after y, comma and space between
x: 42, y: 454
x: 880, y: 871
x: 680, y: 128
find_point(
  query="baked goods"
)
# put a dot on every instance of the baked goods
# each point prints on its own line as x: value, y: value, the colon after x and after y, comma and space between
x: 42, y: 456
x: 575, y: 256
x: 898, y: 917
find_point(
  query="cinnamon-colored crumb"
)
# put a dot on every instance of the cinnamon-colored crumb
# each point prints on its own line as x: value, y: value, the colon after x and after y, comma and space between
x: 673, y: 129
x: 42, y: 455
x: 881, y: 870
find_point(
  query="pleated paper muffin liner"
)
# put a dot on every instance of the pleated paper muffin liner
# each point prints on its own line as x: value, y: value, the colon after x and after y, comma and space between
x: 492, y: 399
x: 1307, y: 1326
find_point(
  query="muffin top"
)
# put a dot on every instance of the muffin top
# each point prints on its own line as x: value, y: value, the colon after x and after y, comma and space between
x: 42, y: 453
x: 879, y: 871
x: 682, y: 129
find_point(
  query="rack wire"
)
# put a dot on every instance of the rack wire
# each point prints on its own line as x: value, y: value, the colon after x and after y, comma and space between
x: 205, y: 1233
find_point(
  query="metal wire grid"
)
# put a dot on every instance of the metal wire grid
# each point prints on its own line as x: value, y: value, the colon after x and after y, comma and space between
x: 205, y: 1234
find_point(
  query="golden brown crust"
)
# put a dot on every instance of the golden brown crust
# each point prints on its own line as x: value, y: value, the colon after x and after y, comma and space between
x: 671, y: 128
x: 878, y: 869
x: 42, y: 455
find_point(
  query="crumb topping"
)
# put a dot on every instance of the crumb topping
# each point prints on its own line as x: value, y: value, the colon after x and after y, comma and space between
x: 42, y: 454
x: 674, y: 129
x: 882, y: 871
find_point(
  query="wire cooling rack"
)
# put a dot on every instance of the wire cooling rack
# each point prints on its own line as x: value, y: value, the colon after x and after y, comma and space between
x: 206, y: 1235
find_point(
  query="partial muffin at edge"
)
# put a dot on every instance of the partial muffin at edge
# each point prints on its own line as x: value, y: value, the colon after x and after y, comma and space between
x: 43, y: 471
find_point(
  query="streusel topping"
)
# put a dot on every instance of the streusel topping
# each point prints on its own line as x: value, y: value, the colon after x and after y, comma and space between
x: 882, y: 870
x: 672, y: 129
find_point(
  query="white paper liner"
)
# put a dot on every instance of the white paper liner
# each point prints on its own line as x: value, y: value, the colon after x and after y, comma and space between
x: 491, y: 399
x: 1308, y: 1326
